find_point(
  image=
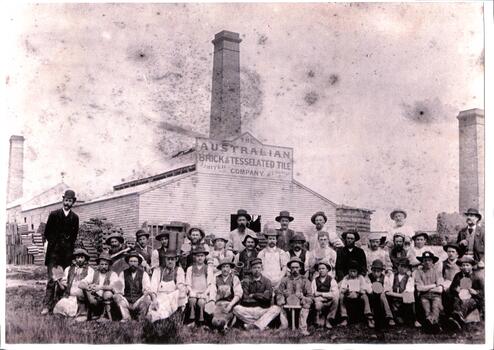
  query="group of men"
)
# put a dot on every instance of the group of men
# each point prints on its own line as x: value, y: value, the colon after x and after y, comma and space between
x: 240, y: 277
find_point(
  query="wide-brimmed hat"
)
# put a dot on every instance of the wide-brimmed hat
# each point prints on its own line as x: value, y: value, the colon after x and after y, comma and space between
x: 119, y: 237
x: 294, y: 259
x: 133, y: 254
x: 377, y: 265
x: 269, y: 231
x: 353, y: 265
x: 171, y: 254
x: 162, y: 234
x: 243, y: 212
x: 195, y: 228
x: 392, y: 214
x: 399, y: 234
x: 224, y: 238
x: 451, y: 245
x: 403, y: 262
x: 375, y: 236
x: 226, y: 261
x: 81, y: 251
x: 104, y: 256
x: 140, y: 233
x: 255, y: 261
x: 354, y: 232
x: 298, y: 237
x: 199, y: 249
x: 70, y: 195
x: 316, y: 214
x: 323, y: 261
x: 428, y: 254
x: 284, y: 214
x: 421, y: 234
x: 251, y: 236
x: 466, y: 259
x: 472, y: 211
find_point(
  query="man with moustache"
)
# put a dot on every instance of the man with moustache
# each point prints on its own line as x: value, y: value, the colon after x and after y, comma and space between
x: 61, y: 232
x: 243, y: 259
x: 273, y: 258
x: 350, y: 253
x: 373, y: 252
x: 297, y: 249
x: 238, y: 235
x: 284, y: 233
x: 471, y: 238
x: 398, y: 251
x: 117, y: 252
x: 399, y: 226
x: 319, y: 219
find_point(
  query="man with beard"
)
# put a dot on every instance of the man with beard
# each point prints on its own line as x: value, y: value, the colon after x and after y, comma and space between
x: 61, y: 232
x: 350, y: 253
x: 471, y: 238
x: 373, y: 252
x: 273, y: 258
x: 297, y: 249
x: 284, y: 233
x: 319, y: 219
x: 244, y: 258
x: 117, y: 252
x: 399, y: 226
x: 238, y: 235
x: 398, y: 251
x: 135, y: 287
x: 295, y: 289
x: 195, y: 237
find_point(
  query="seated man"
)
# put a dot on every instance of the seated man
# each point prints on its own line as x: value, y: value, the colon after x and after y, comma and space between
x: 219, y: 251
x: 167, y: 289
x: 243, y: 259
x: 73, y: 303
x: 400, y: 296
x: 297, y: 248
x: 467, y: 291
x: 295, y: 289
x: 429, y: 284
x: 378, y: 284
x: 326, y: 294
x: 133, y: 294
x: 195, y: 239
x: 255, y: 308
x: 226, y: 293
x: 273, y: 258
x: 99, y: 293
x: 348, y: 253
x: 419, y: 247
x: 398, y: 252
x: 320, y: 252
x: 353, y: 287
x: 449, y: 269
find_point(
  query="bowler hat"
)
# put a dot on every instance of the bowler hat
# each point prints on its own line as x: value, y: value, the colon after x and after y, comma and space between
x: 466, y: 259
x: 298, y: 237
x: 163, y: 233
x: 353, y: 265
x: 472, y: 211
x: 114, y: 235
x: 104, y: 256
x: 196, y: 229
x: 316, y: 214
x: 451, y: 245
x: 428, y: 254
x: 70, y: 195
x: 396, y: 211
x: 80, y: 251
x: 295, y: 259
x: 243, y: 212
x: 284, y: 214
x: 420, y: 234
x: 354, y: 232
x: 133, y: 254
x: 226, y: 261
x: 256, y: 240
x: 255, y: 261
x: 377, y: 265
x: 140, y: 233
x: 199, y: 249
x: 323, y: 261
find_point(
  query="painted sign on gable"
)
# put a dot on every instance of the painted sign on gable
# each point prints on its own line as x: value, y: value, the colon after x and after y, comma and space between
x: 244, y: 156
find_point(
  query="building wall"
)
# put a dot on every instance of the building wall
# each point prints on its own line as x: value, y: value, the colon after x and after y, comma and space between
x: 35, y: 216
x: 208, y: 200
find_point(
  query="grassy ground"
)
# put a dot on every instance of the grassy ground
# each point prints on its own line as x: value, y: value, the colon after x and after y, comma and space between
x: 24, y: 324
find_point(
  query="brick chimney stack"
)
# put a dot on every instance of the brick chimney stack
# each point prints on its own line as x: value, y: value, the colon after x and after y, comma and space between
x: 471, y: 129
x: 16, y: 168
x: 225, y: 121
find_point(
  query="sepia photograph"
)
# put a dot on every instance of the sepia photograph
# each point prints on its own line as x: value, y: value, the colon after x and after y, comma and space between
x: 239, y: 173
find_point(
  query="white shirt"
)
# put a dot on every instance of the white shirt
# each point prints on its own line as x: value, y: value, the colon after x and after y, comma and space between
x: 66, y: 212
x: 274, y: 262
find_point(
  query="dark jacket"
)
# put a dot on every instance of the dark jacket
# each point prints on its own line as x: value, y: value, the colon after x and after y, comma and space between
x: 256, y: 293
x: 478, y: 242
x: 477, y: 284
x: 61, y: 233
x: 343, y: 258
x: 284, y: 239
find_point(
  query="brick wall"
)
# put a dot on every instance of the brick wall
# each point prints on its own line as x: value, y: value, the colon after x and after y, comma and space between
x: 208, y: 200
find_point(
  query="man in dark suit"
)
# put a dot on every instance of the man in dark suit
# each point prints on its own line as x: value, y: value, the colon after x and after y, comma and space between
x: 350, y: 253
x: 61, y: 232
x: 284, y: 233
x: 471, y: 238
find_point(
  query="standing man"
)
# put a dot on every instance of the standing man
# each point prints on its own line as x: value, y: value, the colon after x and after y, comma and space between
x: 373, y: 251
x: 399, y: 226
x: 142, y: 247
x: 117, y: 252
x: 350, y: 253
x: 471, y: 237
x: 61, y: 232
x: 284, y: 233
x: 319, y: 219
x: 238, y: 235
x: 273, y: 258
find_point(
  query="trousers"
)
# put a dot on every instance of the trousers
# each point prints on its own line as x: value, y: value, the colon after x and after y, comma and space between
x: 258, y: 316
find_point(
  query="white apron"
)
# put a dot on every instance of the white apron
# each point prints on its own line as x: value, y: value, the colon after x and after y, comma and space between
x: 167, y: 298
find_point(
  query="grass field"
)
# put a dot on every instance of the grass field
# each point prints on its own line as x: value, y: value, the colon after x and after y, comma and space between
x: 24, y: 324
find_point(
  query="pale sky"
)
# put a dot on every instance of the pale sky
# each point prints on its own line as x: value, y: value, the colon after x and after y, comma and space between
x: 366, y: 94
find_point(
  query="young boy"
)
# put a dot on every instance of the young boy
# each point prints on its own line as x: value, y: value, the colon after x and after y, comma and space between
x: 400, y: 296
x: 326, y: 294
x: 75, y: 276
x: 244, y: 258
x: 429, y: 283
x: 467, y: 291
x: 419, y: 247
x: 158, y: 256
x: 378, y: 284
x: 99, y: 293
x: 226, y: 292
x: 198, y: 281
x: 353, y: 287
x: 219, y: 251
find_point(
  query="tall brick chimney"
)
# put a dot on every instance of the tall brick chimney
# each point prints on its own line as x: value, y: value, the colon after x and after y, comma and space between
x: 16, y: 168
x: 471, y: 129
x: 225, y: 119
